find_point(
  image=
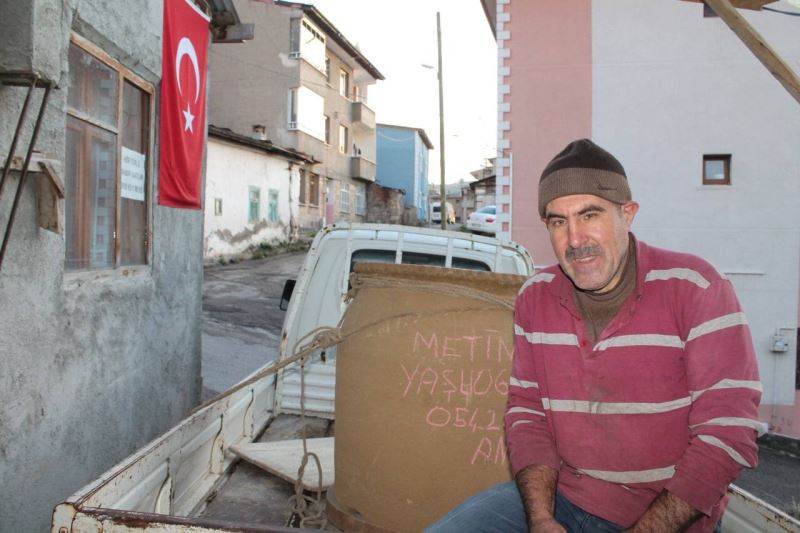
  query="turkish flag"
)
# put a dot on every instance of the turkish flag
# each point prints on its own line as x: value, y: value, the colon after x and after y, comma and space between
x: 183, y: 104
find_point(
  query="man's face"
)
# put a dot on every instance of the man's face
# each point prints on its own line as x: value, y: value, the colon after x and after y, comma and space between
x: 589, y: 235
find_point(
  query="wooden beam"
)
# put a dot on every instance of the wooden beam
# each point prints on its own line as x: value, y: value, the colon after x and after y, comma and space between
x: 758, y: 45
x: 49, y: 198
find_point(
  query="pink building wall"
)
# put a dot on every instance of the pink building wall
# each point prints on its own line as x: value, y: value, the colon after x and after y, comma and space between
x: 550, y: 95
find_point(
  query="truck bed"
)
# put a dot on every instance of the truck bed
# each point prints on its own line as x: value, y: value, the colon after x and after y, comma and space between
x: 254, y: 496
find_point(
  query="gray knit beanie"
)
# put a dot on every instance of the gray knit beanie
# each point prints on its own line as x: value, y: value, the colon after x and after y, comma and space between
x: 583, y: 168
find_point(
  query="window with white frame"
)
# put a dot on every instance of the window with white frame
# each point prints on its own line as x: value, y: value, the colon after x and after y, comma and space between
x: 344, y: 198
x: 217, y: 206
x: 254, y: 204
x: 361, y: 204
x: 344, y: 83
x: 107, y: 167
x: 307, y: 42
x: 342, y: 139
x: 272, y: 211
x: 305, y: 112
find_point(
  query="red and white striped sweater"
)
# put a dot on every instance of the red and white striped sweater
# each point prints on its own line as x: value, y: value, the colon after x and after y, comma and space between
x: 666, y: 398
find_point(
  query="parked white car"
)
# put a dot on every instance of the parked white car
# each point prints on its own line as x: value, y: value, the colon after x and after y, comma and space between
x: 484, y: 220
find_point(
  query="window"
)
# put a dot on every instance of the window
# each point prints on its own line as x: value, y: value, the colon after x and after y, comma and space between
x: 305, y: 112
x: 344, y: 198
x: 344, y: 83
x: 217, y: 206
x: 254, y: 212
x: 107, y: 162
x: 361, y: 207
x: 328, y: 68
x: 308, y: 42
x: 291, y: 113
x: 414, y: 258
x: 342, y: 139
x: 313, y: 193
x: 717, y: 169
x: 302, y: 186
x: 327, y: 130
x: 272, y: 213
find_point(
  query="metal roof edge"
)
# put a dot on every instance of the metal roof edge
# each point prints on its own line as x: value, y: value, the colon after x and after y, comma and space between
x: 331, y: 30
x: 265, y: 146
x: 421, y: 132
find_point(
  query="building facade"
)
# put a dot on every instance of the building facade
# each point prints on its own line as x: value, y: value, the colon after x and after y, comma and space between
x: 100, y: 287
x: 707, y: 136
x: 403, y: 164
x: 258, y: 203
x: 301, y: 84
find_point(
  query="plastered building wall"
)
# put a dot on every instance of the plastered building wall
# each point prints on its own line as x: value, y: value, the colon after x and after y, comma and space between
x: 659, y: 86
x: 230, y: 232
x: 92, y: 366
x: 675, y: 85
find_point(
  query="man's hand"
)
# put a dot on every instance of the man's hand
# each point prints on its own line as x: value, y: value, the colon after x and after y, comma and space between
x: 547, y: 526
x: 537, y: 486
x: 667, y: 513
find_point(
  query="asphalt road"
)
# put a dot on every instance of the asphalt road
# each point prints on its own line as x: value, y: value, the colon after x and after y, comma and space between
x: 242, y: 326
x: 241, y: 319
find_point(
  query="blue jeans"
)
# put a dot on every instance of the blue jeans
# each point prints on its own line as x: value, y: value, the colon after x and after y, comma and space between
x: 500, y: 510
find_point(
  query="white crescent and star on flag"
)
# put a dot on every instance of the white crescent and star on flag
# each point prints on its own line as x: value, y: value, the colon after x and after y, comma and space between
x: 186, y: 49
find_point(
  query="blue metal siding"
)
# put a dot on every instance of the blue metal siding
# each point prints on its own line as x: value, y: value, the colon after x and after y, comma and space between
x: 402, y: 164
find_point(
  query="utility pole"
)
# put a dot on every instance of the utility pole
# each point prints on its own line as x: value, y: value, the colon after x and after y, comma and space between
x: 443, y: 191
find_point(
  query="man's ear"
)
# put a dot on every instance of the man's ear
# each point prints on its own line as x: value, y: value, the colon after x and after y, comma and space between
x: 629, y: 211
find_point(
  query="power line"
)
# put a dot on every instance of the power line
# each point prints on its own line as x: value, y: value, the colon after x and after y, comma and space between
x: 781, y: 11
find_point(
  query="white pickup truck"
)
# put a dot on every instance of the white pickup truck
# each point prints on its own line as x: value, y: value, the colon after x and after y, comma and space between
x: 174, y: 482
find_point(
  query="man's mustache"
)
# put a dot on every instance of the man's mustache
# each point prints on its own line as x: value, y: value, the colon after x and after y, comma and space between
x: 583, y: 252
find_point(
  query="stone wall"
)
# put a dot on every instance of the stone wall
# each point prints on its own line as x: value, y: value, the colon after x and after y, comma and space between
x: 385, y: 205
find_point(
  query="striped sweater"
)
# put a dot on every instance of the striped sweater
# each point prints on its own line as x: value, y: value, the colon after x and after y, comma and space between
x: 666, y: 398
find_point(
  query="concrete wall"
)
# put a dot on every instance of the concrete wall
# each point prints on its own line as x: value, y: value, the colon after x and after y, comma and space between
x: 249, y: 82
x: 92, y: 366
x: 230, y: 172
x: 670, y: 86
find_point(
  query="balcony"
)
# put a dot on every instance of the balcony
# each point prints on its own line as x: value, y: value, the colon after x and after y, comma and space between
x: 362, y: 168
x: 362, y: 116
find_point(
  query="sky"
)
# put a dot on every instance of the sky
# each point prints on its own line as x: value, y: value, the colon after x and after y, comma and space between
x: 398, y: 38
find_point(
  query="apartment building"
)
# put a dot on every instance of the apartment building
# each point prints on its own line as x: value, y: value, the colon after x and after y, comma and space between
x: 302, y: 85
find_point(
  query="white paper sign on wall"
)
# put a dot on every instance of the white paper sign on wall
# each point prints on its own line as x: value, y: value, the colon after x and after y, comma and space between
x: 133, y: 175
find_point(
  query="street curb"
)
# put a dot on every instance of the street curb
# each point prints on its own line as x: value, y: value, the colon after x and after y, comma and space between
x: 780, y: 442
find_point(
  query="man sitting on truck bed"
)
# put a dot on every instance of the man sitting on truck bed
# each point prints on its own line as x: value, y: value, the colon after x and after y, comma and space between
x: 633, y: 401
